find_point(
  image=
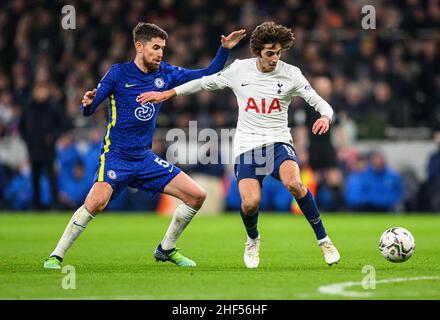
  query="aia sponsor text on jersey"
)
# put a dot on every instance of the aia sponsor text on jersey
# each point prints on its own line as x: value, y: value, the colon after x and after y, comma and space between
x: 261, y: 107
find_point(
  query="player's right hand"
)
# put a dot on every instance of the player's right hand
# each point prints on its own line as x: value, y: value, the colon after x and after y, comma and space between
x: 88, y: 97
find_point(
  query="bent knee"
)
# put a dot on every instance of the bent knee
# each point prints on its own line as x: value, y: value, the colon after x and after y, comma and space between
x: 296, y: 188
x: 250, y: 206
x: 197, y: 198
x: 98, y: 197
x: 95, y: 204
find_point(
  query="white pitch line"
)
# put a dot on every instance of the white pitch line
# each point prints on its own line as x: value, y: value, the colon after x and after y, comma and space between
x: 339, y: 288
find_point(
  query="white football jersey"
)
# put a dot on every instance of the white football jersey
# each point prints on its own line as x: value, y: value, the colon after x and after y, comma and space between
x: 263, y: 100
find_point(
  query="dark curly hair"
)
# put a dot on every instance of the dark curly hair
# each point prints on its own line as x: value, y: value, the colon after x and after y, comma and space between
x: 144, y: 32
x: 270, y: 33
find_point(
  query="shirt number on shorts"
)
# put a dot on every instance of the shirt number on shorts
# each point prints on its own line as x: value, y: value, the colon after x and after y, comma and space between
x: 161, y: 162
x: 289, y: 150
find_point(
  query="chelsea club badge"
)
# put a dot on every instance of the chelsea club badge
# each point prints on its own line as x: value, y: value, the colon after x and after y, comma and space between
x: 111, y: 174
x: 159, y: 83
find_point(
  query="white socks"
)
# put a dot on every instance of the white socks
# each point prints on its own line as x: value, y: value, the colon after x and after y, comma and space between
x: 253, y: 240
x: 321, y: 241
x: 74, y: 228
x: 181, y: 217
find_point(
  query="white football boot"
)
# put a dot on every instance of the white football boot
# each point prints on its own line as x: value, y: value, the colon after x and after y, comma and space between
x: 252, y: 253
x: 331, y: 254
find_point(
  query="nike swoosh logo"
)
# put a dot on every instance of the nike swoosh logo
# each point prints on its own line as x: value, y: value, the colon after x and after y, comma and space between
x: 171, y: 170
x: 245, y: 84
x: 76, y: 224
x: 129, y: 85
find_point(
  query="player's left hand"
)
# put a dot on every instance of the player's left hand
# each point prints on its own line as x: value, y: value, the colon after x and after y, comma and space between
x: 155, y: 96
x: 321, y: 125
x: 233, y: 38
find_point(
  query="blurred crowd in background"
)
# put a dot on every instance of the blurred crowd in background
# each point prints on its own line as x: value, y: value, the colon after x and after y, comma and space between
x: 379, y: 82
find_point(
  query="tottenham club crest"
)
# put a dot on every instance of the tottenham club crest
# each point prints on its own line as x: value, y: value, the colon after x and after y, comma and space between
x: 111, y: 174
x: 145, y: 112
x: 159, y: 83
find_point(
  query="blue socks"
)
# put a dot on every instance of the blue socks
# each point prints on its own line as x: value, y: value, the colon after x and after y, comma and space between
x: 250, y: 223
x: 308, y: 207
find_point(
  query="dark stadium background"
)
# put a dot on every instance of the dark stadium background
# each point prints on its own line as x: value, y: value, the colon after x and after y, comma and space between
x: 383, y: 84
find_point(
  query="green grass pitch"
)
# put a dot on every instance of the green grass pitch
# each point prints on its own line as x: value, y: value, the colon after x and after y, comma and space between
x: 113, y: 258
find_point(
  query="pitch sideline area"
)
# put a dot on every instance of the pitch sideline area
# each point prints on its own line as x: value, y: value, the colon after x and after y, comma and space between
x: 113, y: 259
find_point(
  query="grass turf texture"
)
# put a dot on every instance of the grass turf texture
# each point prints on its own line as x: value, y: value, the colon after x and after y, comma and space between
x: 113, y: 258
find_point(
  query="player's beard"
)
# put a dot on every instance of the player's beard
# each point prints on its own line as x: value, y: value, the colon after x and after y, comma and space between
x: 151, y: 66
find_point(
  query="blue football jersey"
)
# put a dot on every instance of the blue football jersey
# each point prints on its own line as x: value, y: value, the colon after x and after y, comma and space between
x: 131, y: 125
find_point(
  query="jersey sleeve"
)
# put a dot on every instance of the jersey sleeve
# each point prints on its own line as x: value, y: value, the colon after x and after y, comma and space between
x: 182, y: 75
x: 303, y: 89
x: 104, y: 89
x: 208, y: 83
x: 189, y: 88
x: 221, y: 80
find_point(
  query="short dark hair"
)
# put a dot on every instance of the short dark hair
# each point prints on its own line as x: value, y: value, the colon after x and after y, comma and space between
x: 270, y: 33
x: 144, y: 32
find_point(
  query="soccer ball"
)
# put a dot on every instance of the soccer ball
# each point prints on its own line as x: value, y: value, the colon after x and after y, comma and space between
x: 397, y: 244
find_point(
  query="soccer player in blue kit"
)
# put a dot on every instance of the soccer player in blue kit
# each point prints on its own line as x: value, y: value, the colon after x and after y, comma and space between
x: 126, y: 157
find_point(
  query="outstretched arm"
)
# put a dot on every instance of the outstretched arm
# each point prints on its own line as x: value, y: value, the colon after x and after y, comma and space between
x: 213, y: 82
x: 183, y: 90
x: 217, y: 64
x: 156, y: 96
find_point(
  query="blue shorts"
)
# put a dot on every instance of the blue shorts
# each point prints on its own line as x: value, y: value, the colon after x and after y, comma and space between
x: 150, y: 174
x: 266, y: 160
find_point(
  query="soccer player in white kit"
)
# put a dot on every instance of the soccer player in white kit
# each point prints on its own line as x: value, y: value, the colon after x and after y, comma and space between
x: 263, y: 144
